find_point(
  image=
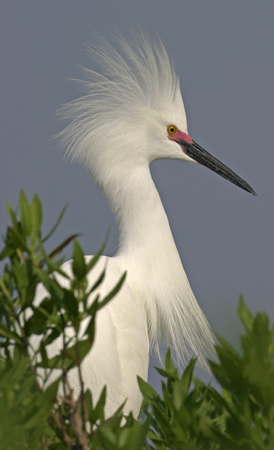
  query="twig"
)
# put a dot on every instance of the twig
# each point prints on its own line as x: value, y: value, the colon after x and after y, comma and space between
x: 66, y: 437
x: 76, y: 420
x: 82, y: 396
x: 64, y: 371
x: 44, y: 443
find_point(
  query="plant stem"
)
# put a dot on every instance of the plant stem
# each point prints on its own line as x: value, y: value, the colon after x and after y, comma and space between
x: 66, y: 437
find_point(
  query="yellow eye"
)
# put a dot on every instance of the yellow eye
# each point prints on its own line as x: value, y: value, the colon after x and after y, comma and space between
x: 172, y: 129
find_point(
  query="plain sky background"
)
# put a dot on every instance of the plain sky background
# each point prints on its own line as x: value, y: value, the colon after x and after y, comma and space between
x: 224, y: 54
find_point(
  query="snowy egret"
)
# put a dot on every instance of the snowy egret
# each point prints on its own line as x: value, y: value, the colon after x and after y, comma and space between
x: 131, y: 115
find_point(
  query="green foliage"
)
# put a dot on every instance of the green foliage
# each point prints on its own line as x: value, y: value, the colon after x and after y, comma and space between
x: 30, y: 414
x: 187, y: 415
x: 191, y: 415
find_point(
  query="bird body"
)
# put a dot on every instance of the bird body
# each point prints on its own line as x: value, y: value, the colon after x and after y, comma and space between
x: 121, y: 345
x: 131, y: 115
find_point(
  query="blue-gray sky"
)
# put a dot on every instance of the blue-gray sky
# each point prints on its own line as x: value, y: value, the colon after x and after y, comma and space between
x: 224, y: 54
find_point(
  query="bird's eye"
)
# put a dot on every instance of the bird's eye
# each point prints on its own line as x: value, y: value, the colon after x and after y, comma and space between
x: 171, y: 129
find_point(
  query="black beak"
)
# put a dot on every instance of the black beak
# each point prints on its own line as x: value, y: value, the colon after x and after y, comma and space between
x: 201, y: 156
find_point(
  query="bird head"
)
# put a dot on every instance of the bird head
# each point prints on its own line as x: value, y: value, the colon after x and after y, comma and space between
x: 132, y: 113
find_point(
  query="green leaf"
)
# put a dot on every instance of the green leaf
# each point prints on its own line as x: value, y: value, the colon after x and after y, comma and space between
x: 54, y: 266
x: 88, y: 400
x: 169, y: 364
x: 96, y: 257
x: 262, y: 337
x: 98, y: 282
x: 25, y: 214
x: 43, y: 353
x: 113, y: 292
x: 90, y: 329
x: 16, y: 240
x: 133, y: 437
x: 148, y: 392
x: 170, y: 371
x: 56, y: 362
x: 187, y: 376
x: 36, y: 214
x: 46, y: 305
x: 6, y: 252
x: 6, y: 333
x: 162, y: 419
x: 164, y: 373
x: 53, y: 334
x: 12, y: 216
x: 5, y: 290
x: 43, y: 408
x: 69, y: 354
x: 51, y: 285
x: 98, y: 412
x: 57, y: 250
x: 78, y: 262
x: 56, y: 224
x: 245, y: 315
x: 35, y: 324
x: 70, y: 303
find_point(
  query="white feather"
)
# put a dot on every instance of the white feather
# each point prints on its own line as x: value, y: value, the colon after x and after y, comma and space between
x: 116, y: 130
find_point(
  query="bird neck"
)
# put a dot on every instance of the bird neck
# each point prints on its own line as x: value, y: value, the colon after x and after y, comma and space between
x: 155, y: 273
x: 145, y: 235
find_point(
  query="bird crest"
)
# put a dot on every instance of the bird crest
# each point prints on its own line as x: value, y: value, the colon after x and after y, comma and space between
x: 135, y: 96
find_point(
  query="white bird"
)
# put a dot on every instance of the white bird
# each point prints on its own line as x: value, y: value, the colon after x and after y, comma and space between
x: 131, y: 115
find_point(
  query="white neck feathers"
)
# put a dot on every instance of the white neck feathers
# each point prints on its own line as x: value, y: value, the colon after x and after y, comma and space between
x: 154, y: 269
